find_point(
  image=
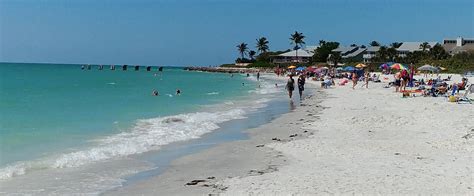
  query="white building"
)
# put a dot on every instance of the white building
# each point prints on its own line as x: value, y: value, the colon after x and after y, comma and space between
x: 370, y: 53
x: 454, y: 46
x: 296, y: 56
x: 408, y: 47
x: 352, y: 52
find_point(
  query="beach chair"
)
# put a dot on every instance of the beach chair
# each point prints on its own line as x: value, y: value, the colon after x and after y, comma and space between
x: 464, y: 98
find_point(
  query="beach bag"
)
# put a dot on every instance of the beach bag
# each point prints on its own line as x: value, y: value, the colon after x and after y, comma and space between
x: 452, y: 98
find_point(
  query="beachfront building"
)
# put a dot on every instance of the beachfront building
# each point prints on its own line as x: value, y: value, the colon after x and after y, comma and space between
x: 408, y: 47
x: 351, y: 53
x: 295, y: 56
x: 370, y: 53
x: 460, y: 44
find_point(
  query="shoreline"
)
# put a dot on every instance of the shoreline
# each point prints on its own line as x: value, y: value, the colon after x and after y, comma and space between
x: 195, y: 174
x: 342, y: 144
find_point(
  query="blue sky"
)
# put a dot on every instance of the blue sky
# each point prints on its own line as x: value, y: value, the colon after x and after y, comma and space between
x: 206, y: 32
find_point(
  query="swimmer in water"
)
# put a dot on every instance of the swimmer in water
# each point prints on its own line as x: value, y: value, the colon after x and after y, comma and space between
x: 156, y: 93
x: 178, y: 92
x: 243, y: 84
x: 276, y: 85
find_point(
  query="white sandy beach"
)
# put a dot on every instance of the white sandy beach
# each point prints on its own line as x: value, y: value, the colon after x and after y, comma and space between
x: 363, y: 141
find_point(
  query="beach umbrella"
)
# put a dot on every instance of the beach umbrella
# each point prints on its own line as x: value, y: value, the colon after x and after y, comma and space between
x: 399, y: 66
x: 360, y: 65
x: 339, y: 68
x: 349, y: 68
x: 442, y: 68
x: 428, y: 68
x: 384, y: 66
x: 300, y: 69
x: 291, y: 67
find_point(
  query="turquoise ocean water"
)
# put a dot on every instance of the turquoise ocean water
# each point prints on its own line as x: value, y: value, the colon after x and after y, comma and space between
x: 60, y: 116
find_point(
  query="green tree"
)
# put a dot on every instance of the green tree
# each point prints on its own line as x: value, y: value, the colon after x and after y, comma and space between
x: 321, y: 53
x: 242, y: 48
x: 391, y: 53
x: 425, y: 46
x: 321, y: 42
x: 262, y: 45
x: 438, y: 52
x: 382, y: 54
x: 335, y: 58
x: 252, y: 54
x: 374, y: 43
x: 298, y: 40
x: 395, y: 44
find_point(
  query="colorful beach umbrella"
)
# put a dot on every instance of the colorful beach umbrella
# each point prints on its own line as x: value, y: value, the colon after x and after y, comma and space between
x: 349, y: 68
x: 360, y: 65
x: 384, y: 66
x: 300, y: 69
x: 399, y: 66
x: 291, y: 67
x: 428, y: 68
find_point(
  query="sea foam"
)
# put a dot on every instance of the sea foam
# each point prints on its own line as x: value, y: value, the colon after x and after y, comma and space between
x: 146, y: 135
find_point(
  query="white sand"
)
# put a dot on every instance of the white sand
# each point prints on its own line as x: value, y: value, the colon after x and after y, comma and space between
x: 372, y: 141
x: 363, y: 141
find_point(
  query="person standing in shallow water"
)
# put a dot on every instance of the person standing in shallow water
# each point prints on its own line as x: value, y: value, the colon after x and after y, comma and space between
x: 258, y: 76
x: 290, y: 86
x: 301, y: 81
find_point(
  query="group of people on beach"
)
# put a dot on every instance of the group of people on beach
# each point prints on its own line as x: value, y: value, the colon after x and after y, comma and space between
x: 290, y: 85
x: 156, y: 93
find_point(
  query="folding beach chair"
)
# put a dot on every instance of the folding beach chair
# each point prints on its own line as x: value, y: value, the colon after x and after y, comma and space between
x: 464, y: 98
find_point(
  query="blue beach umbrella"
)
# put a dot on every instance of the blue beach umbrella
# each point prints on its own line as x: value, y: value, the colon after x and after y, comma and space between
x: 349, y: 68
x: 300, y: 69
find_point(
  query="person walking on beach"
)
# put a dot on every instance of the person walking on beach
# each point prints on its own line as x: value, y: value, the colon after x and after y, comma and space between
x: 290, y: 86
x: 301, y: 81
x: 366, y: 80
x: 354, y: 80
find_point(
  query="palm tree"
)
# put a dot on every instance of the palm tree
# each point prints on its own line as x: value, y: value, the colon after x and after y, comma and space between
x: 251, y: 54
x: 322, y: 42
x: 374, y: 43
x: 425, y: 46
x: 298, y: 40
x: 391, y: 53
x: 335, y: 58
x: 382, y: 53
x: 242, y: 48
x: 262, y: 45
x: 395, y: 44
